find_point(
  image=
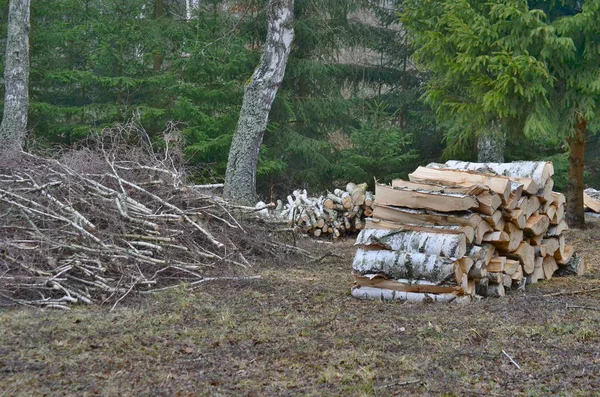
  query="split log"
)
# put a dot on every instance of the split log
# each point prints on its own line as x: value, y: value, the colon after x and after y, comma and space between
x: 391, y: 295
x: 515, y: 237
x: 538, y: 171
x: 517, y: 217
x: 526, y: 255
x: 559, y: 215
x: 549, y: 266
x: 488, y: 200
x: 425, y: 217
x: 495, y: 290
x: 511, y: 266
x: 497, y: 264
x: 545, y: 194
x: 369, y: 199
x: 533, y: 205
x: 381, y: 281
x: 518, y: 274
x: 564, y: 258
x: 447, y: 245
x: 536, y: 225
x: 537, y: 240
x: 496, y: 237
x: 552, y: 245
x: 375, y: 223
x: 590, y: 202
x: 423, y: 199
x: 559, y: 199
x: 481, y: 230
x: 498, y: 184
x: 400, y: 264
x: 495, y: 219
x: 507, y: 281
x: 557, y: 230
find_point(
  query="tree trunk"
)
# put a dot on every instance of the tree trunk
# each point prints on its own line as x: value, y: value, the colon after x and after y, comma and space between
x: 574, y: 213
x: 490, y: 145
x: 240, y: 178
x: 16, y: 76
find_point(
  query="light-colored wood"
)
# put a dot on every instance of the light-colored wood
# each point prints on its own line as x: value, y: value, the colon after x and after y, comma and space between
x: 526, y: 255
x: 559, y: 216
x: 517, y: 217
x: 552, y: 245
x: 557, y: 230
x: 537, y: 172
x: 422, y: 199
x: 497, y: 264
x: 540, y: 251
x: 500, y: 225
x: 507, y: 281
x: 537, y: 240
x: 511, y: 266
x: 549, y: 265
x: 563, y: 259
x: 561, y: 244
x: 559, y: 199
x: 481, y: 230
x: 495, y: 278
x: 369, y: 199
x: 494, y: 219
x: 495, y: 237
x: 391, y: 295
x: 518, y: 274
x: 425, y: 217
x: 447, y: 245
x: 488, y: 200
x: 496, y: 290
x: 536, y: 225
x: 380, y: 281
x: 400, y: 264
x: 591, y: 203
x: 533, y: 205
x: 545, y: 194
x: 375, y: 223
x: 515, y: 237
x: 500, y: 185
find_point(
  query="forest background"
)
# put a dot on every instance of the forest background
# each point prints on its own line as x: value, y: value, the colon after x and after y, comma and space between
x: 351, y: 106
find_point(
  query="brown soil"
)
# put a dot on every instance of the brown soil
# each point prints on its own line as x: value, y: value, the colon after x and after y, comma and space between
x: 297, y: 331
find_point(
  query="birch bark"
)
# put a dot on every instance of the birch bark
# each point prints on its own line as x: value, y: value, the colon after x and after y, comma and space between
x: 240, y: 178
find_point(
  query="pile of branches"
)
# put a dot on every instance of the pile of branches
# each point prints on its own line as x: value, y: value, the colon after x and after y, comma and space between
x: 98, y: 223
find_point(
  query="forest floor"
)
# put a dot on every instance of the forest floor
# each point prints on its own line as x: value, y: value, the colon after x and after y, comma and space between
x: 297, y: 331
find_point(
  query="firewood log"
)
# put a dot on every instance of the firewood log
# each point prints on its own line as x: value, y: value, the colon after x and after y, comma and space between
x: 425, y: 217
x: 375, y: 223
x: 422, y: 199
x: 447, y: 245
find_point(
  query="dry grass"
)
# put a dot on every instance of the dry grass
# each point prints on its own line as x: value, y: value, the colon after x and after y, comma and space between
x: 297, y: 331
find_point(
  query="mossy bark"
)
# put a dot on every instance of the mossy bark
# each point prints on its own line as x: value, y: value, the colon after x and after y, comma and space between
x: 16, y: 76
x: 240, y: 178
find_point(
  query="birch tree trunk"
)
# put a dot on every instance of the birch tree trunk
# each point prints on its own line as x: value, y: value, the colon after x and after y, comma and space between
x: 491, y: 144
x: 240, y: 178
x: 574, y: 214
x: 16, y: 76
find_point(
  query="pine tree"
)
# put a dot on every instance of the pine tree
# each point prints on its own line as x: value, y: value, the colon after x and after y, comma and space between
x: 528, y: 65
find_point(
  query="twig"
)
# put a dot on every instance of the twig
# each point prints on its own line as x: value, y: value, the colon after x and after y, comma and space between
x: 206, y: 279
x: 511, y: 359
x: 122, y: 297
x: 583, y: 307
x: 583, y: 291
x: 408, y: 382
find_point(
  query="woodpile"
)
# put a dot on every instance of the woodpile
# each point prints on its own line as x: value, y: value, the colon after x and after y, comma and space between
x: 333, y: 214
x: 457, y: 230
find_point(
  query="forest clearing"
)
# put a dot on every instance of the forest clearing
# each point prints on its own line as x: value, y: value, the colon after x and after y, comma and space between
x: 158, y: 238
x: 297, y: 331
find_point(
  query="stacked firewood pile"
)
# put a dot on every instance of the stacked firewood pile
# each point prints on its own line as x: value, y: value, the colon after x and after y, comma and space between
x: 461, y: 229
x: 333, y: 214
x: 591, y: 200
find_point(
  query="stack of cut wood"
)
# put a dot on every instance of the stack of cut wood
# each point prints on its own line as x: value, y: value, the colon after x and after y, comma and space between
x: 332, y: 214
x: 591, y: 200
x: 461, y: 229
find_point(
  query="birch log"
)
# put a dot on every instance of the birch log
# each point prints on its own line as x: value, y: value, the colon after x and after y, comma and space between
x: 391, y: 295
x: 447, y: 245
x: 401, y: 264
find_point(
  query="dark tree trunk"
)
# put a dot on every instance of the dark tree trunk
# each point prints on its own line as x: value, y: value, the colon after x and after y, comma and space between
x: 574, y: 213
x: 240, y: 178
x: 16, y: 76
x: 491, y: 144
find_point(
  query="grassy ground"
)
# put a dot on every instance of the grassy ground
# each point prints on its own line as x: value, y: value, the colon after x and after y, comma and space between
x: 297, y: 331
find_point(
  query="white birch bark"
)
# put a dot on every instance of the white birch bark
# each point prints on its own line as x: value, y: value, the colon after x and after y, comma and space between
x: 447, y: 245
x: 240, y: 178
x: 491, y: 144
x: 16, y: 76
